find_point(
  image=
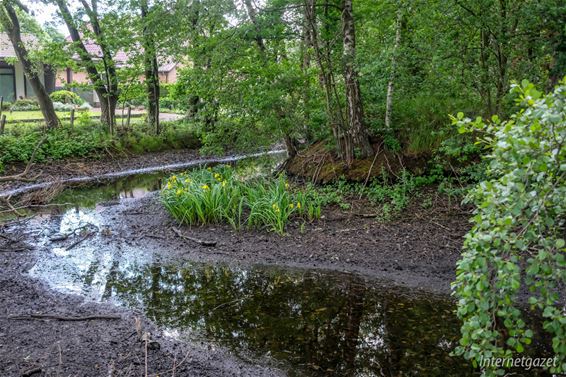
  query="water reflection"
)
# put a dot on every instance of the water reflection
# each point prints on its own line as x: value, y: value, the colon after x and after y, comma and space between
x: 316, y: 323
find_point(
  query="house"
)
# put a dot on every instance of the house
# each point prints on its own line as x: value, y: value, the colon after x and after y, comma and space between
x: 13, y: 83
x: 168, y: 73
x: 66, y: 77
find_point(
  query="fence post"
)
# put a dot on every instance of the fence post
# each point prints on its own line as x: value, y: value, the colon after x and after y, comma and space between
x: 2, y: 124
x: 72, y: 117
x: 129, y: 115
x: 1, y: 105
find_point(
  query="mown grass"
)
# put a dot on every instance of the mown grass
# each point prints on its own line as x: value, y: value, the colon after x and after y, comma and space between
x: 219, y: 195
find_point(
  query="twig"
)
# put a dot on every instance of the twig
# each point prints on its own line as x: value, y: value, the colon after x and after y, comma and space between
x: 12, y: 209
x: 32, y: 371
x: 60, y: 359
x: 146, y: 339
x: 371, y: 168
x: 63, y: 318
x: 173, y: 369
x: 79, y: 241
x: 200, y: 242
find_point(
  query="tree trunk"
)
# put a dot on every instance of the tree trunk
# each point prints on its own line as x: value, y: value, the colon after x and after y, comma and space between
x: 11, y: 24
x: 107, y: 90
x: 151, y: 72
x: 390, y: 84
x: 357, y: 129
x: 327, y: 82
x: 108, y: 110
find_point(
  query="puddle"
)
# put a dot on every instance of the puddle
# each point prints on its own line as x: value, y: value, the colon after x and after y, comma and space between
x: 308, y: 322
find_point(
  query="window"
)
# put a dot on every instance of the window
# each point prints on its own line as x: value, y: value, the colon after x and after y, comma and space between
x: 7, y: 83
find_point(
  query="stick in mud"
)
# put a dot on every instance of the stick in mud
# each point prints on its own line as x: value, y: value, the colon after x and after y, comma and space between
x: 200, y: 242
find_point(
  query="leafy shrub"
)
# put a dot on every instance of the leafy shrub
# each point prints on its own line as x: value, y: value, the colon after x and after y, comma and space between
x: 19, y: 140
x: 518, y: 233
x: 217, y: 195
x: 6, y: 106
x: 66, y: 97
x: 25, y: 104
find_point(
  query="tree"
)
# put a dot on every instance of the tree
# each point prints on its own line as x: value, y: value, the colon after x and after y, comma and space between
x: 151, y: 67
x: 357, y: 128
x: 10, y: 23
x: 105, y: 82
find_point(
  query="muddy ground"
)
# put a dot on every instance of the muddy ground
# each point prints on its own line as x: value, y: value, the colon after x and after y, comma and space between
x: 418, y: 249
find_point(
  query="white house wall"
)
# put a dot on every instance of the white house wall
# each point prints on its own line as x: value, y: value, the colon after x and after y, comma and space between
x: 20, y: 83
x: 20, y: 80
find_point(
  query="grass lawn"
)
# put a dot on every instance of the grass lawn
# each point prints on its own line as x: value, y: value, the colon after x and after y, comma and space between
x: 16, y: 116
x: 34, y: 115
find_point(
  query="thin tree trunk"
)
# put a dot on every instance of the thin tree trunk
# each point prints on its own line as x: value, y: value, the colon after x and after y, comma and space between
x: 390, y: 84
x: 151, y: 72
x: 10, y: 22
x: 107, y: 91
x: 357, y: 128
x: 334, y: 113
x: 108, y: 111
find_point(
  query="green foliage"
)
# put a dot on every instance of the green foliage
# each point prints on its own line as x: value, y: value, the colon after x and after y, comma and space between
x: 88, y: 139
x: 218, y: 195
x: 25, y: 104
x: 66, y: 97
x: 518, y: 234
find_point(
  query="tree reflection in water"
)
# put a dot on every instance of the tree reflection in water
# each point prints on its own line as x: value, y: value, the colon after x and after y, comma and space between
x: 320, y: 323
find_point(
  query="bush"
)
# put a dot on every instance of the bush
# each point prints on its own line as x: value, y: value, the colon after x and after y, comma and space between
x: 85, y: 139
x: 518, y: 235
x: 25, y: 104
x: 66, y: 97
x: 6, y: 106
x: 217, y: 195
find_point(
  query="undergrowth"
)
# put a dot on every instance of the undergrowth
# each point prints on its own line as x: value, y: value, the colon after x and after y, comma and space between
x: 89, y: 139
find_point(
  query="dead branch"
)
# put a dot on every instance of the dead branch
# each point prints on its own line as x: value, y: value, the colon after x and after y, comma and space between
x: 32, y: 371
x: 21, y: 176
x: 63, y: 318
x: 80, y: 241
x: 200, y: 242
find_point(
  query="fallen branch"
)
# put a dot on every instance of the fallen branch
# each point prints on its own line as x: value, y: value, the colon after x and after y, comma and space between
x: 63, y: 318
x: 32, y: 371
x: 200, y: 242
x: 79, y: 241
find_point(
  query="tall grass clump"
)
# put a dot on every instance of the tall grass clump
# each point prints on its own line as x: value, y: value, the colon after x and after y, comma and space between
x: 219, y: 195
